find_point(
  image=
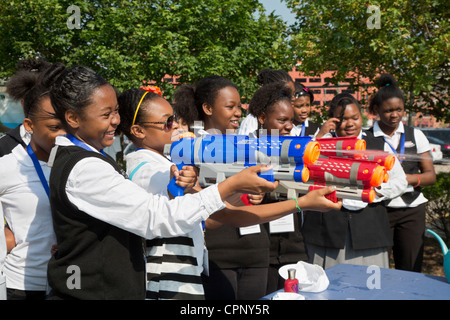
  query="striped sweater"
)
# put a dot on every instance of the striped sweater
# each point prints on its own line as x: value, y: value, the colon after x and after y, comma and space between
x: 174, y: 265
x: 172, y: 270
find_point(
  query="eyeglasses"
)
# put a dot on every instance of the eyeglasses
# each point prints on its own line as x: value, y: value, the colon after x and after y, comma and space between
x: 168, y: 124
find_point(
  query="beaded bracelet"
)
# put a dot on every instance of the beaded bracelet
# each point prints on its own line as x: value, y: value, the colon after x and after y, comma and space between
x: 296, y: 204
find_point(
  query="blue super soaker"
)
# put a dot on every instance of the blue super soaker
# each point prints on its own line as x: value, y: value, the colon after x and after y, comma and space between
x: 221, y: 156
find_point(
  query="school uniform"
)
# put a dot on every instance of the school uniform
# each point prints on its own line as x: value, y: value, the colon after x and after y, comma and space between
x: 100, y: 218
x: 12, y: 138
x: 3, y: 249
x: 407, y: 212
x: 174, y: 265
x: 26, y: 208
x: 286, y: 247
x: 3, y: 252
x: 307, y: 128
x: 248, y: 125
x: 359, y: 233
x: 238, y: 259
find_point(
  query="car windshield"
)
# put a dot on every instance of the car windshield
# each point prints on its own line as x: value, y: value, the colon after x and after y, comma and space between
x: 435, y: 140
x: 441, y: 134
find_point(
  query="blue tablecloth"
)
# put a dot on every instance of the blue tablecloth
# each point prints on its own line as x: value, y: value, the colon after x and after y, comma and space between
x: 353, y: 282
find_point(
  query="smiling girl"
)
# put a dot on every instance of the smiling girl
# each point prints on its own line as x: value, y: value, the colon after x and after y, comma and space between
x: 249, y: 124
x: 99, y: 216
x: 173, y: 265
x: 238, y: 257
x: 271, y: 105
x: 359, y: 233
x: 24, y: 194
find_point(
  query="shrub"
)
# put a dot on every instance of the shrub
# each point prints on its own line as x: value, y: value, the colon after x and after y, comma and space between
x: 437, y: 208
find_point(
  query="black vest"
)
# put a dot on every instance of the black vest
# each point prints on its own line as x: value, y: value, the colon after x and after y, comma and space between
x: 10, y: 140
x: 311, y: 129
x: 110, y: 260
x: 228, y: 249
x: 410, y: 166
x: 368, y: 227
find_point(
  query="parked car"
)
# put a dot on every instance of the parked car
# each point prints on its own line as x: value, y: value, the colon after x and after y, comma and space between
x: 436, y: 153
x: 440, y: 137
x: 445, y: 147
x: 443, y: 134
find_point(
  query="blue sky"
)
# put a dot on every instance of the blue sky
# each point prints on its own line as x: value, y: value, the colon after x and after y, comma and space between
x: 279, y: 8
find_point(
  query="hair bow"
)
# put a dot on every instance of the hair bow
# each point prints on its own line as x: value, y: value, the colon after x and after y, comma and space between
x: 153, y: 89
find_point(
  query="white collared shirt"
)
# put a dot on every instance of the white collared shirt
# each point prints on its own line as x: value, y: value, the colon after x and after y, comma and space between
x: 26, y: 137
x: 422, y: 146
x: 422, y: 143
x: 3, y: 250
x: 297, y: 130
x: 248, y: 124
x: 97, y: 189
x: 26, y: 208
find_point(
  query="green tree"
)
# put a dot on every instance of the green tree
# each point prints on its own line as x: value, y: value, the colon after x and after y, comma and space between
x: 133, y: 41
x: 411, y: 42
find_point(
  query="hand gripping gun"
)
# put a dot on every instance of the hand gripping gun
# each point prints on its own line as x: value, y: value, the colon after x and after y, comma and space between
x: 354, y: 175
x: 221, y: 156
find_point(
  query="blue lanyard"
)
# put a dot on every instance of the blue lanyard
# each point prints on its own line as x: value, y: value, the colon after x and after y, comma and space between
x: 302, y: 133
x: 80, y: 143
x: 402, y: 146
x: 38, y: 168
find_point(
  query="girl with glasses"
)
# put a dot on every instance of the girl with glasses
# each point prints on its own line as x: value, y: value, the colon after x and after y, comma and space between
x: 173, y: 265
x: 99, y: 215
x: 147, y: 167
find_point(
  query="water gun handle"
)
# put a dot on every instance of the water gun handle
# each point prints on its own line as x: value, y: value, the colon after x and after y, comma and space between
x: 175, y: 189
x: 268, y: 175
x: 330, y: 196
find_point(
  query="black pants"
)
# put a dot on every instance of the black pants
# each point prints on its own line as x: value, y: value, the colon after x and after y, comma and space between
x: 275, y: 281
x: 235, y: 284
x: 408, y: 230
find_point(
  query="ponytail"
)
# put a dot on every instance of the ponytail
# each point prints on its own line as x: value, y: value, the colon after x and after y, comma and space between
x: 387, y: 89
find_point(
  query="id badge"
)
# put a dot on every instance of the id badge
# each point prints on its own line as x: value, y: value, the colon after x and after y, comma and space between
x: 284, y: 224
